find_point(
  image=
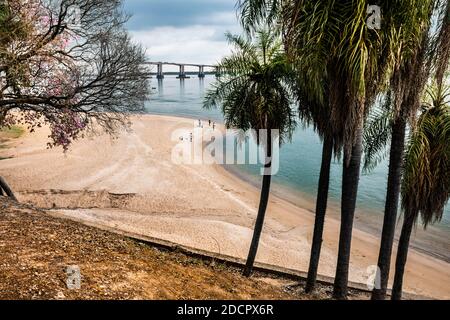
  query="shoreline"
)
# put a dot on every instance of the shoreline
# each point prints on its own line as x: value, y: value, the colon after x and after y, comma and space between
x: 154, y: 197
x: 366, y: 219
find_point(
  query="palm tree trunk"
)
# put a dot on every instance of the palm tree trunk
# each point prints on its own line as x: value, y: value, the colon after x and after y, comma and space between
x: 321, y: 207
x: 4, y: 186
x: 391, y: 207
x: 350, y: 181
x: 402, y: 255
x: 263, y: 201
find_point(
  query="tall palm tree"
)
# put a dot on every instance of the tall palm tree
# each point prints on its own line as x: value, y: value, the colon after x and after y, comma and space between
x: 318, y: 118
x: 333, y: 40
x: 426, y: 181
x: 330, y: 41
x: 315, y: 111
x: 407, y: 84
x: 311, y: 91
x: 255, y: 94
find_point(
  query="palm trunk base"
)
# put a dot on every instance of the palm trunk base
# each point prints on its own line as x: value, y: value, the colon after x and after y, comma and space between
x: 350, y: 181
x: 391, y: 207
x: 340, y: 294
x: 402, y: 256
x: 258, y: 226
x: 310, y: 286
x: 263, y: 201
x: 321, y: 207
x: 247, y: 271
x: 378, y: 294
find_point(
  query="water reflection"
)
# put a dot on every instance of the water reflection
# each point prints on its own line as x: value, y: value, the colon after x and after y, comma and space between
x: 160, y: 87
x: 182, y: 87
x: 201, y: 85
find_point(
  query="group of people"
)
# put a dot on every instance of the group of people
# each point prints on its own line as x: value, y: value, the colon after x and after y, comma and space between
x: 200, y: 124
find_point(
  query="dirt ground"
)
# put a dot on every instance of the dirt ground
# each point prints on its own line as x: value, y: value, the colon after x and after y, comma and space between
x: 36, y: 249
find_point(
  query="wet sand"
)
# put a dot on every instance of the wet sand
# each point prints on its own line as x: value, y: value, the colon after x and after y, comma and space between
x: 203, y: 206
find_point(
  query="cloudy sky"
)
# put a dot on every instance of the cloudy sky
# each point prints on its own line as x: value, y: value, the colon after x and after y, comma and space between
x: 189, y: 31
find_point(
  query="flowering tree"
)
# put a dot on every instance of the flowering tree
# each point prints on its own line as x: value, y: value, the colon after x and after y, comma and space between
x: 68, y: 64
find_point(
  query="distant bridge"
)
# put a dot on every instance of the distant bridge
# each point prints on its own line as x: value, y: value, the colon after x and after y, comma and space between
x: 182, y: 73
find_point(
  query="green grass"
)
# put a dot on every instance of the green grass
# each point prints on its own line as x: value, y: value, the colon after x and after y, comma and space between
x: 13, y: 132
x: 6, y: 134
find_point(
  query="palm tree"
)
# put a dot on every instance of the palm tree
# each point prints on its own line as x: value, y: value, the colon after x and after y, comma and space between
x: 320, y: 36
x: 255, y: 94
x: 330, y: 42
x: 407, y: 84
x: 426, y: 181
x: 314, y: 110
x: 320, y: 121
x: 332, y: 39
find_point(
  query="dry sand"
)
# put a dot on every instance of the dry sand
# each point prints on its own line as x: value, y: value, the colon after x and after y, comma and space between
x: 131, y: 183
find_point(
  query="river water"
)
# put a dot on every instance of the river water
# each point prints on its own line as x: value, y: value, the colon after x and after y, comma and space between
x: 299, y: 160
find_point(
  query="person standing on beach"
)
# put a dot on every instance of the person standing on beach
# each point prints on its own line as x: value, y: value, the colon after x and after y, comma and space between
x: 214, y: 125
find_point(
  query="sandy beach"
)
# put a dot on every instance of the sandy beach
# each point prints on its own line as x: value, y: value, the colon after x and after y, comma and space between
x: 131, y: 183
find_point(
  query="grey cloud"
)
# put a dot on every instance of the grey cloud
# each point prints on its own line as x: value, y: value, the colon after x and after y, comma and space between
x: 178, y: 13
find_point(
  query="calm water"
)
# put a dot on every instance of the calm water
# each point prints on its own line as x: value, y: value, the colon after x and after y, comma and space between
x: 299, y: 160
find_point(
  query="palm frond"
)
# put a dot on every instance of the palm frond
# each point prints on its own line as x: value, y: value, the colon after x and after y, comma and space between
x: 426, y: 183
x: 254, y: 13
x: 255, y: 92
x: 377, y: 134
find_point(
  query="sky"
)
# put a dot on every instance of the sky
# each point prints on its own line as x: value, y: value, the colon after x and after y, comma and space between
x: 185, y: 31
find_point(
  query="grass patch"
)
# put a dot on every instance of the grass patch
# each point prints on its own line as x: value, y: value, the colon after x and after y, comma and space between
x: 6, y: 134
x: 13, y: 132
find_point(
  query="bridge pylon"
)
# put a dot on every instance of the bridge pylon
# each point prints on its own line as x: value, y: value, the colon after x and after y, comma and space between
x: 201, y: 71
x: 182, y: 74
